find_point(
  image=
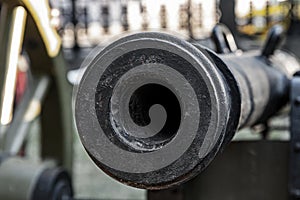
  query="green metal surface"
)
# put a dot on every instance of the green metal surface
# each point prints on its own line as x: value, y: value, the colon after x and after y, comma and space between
x: 56, y: 117
x: 24, y: 115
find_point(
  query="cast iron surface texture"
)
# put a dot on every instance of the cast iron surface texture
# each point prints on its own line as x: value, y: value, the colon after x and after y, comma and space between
x: 183, y: 70
x: 264, y: 86
x: 202, y: 103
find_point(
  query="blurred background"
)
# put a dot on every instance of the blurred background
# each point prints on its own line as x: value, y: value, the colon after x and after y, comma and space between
x: 83, y: 24
x: 96, y: 20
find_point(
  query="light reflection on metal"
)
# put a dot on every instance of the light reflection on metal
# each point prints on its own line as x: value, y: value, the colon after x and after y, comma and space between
x: 15, y: 43
x: 40, y: 12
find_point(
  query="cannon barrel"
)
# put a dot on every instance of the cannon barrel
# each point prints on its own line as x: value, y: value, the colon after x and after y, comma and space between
x: 153, y: 110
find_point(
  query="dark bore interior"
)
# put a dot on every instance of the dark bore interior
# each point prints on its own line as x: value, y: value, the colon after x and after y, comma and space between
x: 152, y: 94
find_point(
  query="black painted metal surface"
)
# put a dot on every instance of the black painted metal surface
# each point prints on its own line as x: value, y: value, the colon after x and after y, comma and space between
x: 153, y: 111
x: 294, y: 173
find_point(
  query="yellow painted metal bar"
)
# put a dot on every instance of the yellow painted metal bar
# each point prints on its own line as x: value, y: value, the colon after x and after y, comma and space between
x: 40, y: 11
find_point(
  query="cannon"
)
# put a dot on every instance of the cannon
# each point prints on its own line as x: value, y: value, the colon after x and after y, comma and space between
x: 152, y: 110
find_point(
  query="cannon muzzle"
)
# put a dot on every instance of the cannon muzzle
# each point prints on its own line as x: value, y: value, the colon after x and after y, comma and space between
x: 153, y: 110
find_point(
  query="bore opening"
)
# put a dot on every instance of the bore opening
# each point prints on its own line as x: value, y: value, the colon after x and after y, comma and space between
x: 156, y: 107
